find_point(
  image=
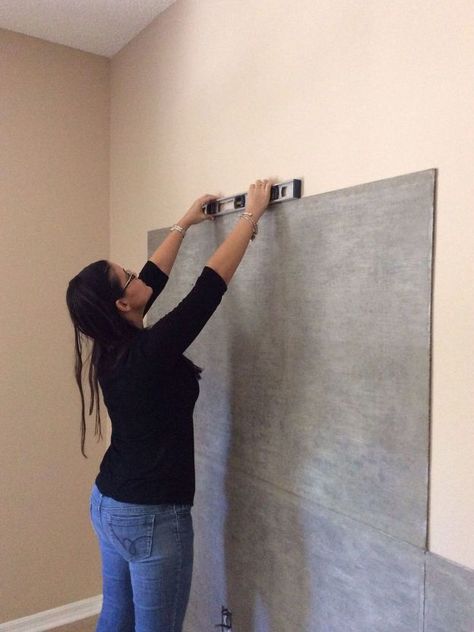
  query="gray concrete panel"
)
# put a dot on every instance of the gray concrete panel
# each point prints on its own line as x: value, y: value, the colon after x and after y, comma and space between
x: 317, y: 361
x: 312, y: 426
x: 449, y: 596
x: 282, y: 563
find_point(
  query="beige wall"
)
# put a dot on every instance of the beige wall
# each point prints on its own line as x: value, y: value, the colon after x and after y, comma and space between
x: 209, y: 97
x: 54, y: 188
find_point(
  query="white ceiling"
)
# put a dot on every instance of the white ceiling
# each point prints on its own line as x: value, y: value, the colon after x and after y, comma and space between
x: 102, y: 27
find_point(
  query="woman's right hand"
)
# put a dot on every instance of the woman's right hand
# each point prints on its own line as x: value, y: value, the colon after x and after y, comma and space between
x: 258, y: 197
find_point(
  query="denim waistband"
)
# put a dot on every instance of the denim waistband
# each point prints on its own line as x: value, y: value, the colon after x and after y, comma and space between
x: 101, y: 500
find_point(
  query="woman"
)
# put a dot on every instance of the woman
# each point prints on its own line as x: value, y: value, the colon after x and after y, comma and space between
x: 140, y: 503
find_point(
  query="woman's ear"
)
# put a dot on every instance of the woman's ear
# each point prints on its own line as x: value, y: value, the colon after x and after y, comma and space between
x: 122, y: 305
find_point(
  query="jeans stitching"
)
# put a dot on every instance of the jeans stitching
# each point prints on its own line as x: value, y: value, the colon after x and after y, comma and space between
x: 113, y: 537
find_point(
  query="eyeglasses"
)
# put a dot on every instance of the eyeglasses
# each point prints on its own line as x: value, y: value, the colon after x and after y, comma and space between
x: 131, y: 276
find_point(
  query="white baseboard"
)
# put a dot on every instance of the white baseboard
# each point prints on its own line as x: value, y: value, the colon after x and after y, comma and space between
x: 50, y: 619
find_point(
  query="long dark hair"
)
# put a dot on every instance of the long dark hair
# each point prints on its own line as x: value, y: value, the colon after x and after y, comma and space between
x: 90, y: 299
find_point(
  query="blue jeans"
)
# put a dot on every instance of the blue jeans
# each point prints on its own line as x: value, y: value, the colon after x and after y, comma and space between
x: 147, y: 564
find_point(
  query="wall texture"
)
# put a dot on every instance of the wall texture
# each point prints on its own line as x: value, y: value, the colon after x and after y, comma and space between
x: 312, y: 425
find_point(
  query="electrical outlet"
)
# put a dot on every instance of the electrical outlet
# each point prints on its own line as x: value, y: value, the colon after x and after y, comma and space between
x: 226, y: 623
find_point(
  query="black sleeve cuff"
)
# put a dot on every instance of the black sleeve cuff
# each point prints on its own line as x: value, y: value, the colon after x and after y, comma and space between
x: 214, y: 278
x: 153, y: 276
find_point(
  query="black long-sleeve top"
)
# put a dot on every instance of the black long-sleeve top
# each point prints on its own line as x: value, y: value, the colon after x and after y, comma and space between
x: 150, y: 397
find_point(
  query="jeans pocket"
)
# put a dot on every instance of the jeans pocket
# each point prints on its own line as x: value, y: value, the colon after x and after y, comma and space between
x: 132, y: 536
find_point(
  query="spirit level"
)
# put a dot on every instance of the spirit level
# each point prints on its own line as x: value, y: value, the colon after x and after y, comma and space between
x: 282, y: 192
